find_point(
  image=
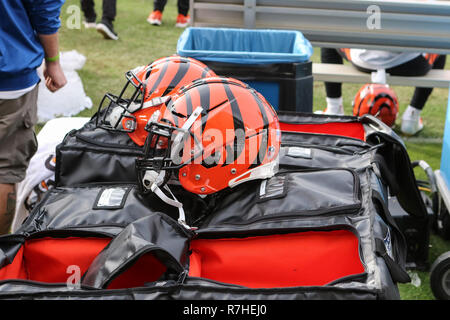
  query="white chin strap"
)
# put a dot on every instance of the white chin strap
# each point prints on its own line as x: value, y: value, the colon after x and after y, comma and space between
x: 264, y: 171
x: 155, y: 102
x: 153, y: 179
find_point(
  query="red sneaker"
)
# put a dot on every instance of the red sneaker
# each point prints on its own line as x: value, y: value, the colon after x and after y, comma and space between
x: 155, y: 18
x: 182, y: 21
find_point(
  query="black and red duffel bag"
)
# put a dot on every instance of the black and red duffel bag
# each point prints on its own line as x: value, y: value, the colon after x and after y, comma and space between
x: 319, y: 229
x: 255, y: 244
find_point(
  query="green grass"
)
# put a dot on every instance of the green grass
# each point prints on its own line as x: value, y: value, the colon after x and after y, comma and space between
x: 107, y: 60
x: 141, y: 43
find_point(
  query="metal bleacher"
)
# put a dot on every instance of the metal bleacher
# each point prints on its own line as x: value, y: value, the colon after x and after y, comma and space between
x: 404, y: 25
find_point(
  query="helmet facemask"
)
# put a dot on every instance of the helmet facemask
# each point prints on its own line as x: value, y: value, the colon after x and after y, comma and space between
x: 164, y: 151
x: 148, y: 88
x: 116, y: 112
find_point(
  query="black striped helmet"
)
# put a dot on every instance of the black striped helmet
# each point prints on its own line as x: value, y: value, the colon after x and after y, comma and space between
x: 214, y: 133
x: 151, y: 86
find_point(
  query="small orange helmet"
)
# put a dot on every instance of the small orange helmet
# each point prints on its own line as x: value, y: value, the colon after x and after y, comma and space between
x: 378, y: 100
x: 151, y: 86
x: 214, y: 133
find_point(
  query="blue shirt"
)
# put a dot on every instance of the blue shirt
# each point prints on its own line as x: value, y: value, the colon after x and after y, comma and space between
x: 21, y: 53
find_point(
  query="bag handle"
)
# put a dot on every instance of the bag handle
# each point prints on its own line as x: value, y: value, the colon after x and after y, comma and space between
x: 398, y: 273
x: 156, y: 234
x: 396, y: 269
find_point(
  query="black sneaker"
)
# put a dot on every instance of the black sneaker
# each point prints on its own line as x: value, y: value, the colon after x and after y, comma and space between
x: 107, y: 30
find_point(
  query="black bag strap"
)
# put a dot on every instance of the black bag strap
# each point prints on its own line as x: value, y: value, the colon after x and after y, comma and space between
x: 387, y: 174
x: 398, y: 273
x: 397, y: 159
x: 155, y: 234
x: 396, y: 268
x: 391, y: 222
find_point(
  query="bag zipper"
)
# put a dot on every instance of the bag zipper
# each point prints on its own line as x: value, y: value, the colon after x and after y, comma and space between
x: 313, y: 146
x: 356, y: 182
x: 325, y: 135
x: 38, y: 212
x: 283, y: 217
x: 354, y: 277
x: 294, y: 230
x: 60, y: 233
x: 105, y: 144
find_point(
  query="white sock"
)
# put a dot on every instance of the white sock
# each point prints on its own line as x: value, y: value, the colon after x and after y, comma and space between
x: 411, y: 112
x: 334, y: 104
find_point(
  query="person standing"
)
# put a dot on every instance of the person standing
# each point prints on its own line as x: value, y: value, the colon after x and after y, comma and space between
x: 155, y: 17
x: 105, y: 26
x: 28, y: 35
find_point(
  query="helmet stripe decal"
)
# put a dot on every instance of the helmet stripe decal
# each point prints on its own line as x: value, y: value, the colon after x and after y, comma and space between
x: 205, y: 95
x: 378, y: 97
x: 205, y: 72
x: 189, y: 107
x: 174, y: 119
x: 158, y: 81
x: 237, y: 121
x: 261, y: 154
x: 182, y: 70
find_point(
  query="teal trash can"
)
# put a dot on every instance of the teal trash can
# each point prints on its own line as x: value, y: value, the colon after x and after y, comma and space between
x: 443, y: 181
x: 443, y: 174
x: 445, y: 156
x: 274, y: 62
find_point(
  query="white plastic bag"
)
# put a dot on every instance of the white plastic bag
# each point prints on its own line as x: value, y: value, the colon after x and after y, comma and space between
x: 70, y: 99
x: 40, y: 173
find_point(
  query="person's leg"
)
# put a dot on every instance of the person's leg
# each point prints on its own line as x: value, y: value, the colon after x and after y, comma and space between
x: 105, y: 27
x: 183, y: 18
x: 158, y: 5
x: 413, y: 68
x: 421, y: 95
x: 333, y: 90
x: 18, y: 144
x: 183, y: 7
x: 7, y: 206
x: 88, y: 8
x: 109, y: 10
x: 411, y: 120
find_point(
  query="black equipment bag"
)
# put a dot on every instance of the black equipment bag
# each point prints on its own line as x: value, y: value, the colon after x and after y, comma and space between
x: 417, y: 230
x: 332, y: 247
x: 319, y: 229
x: 71, y: 226
x: 412, y: 210
x: 391, y: 157
x: 94, y: 154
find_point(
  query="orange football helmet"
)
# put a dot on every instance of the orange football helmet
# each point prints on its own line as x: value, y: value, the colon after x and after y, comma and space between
x: 151, y: 86
x: 378, y: 100
x: 214, y: 133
